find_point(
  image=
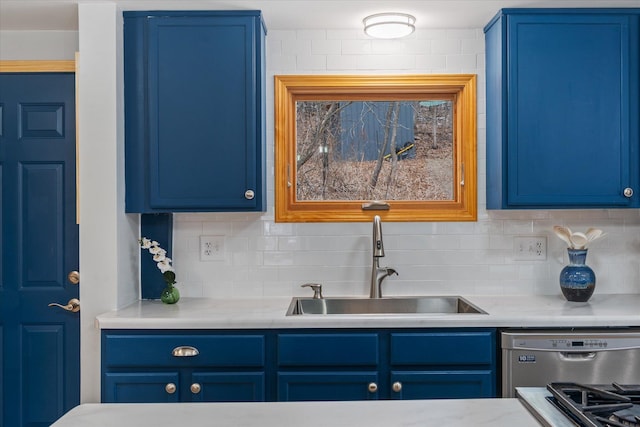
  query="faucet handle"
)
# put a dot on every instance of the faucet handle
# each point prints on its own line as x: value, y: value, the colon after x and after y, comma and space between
x: 391, y: 271
x: 317, y: 289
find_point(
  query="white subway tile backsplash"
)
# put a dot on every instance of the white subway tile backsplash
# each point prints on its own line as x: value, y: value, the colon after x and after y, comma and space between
x: 296, y: 47
x: 386, y: 62
x: 326, y: 47
x: 311, y: 62
x: 268, y: 259
x: 342, y: 62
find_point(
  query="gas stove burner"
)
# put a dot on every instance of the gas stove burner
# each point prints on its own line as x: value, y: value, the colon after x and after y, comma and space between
x: 599, y: 406
x: 627, y: 417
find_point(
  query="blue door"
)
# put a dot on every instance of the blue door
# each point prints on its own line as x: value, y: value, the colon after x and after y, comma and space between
x: 40, y: 343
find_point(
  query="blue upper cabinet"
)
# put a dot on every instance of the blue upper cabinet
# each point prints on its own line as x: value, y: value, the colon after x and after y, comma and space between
x: 194, y: 111
x: 562, y: 108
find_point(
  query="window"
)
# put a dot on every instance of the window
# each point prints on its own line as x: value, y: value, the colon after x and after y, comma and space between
x: 350, y: 147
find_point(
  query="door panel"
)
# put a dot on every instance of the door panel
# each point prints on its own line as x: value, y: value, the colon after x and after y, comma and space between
x: 40, y: 344
x: 142, y: 387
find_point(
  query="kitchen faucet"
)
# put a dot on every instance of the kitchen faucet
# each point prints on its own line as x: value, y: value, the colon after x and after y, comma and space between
x: 378, y: 274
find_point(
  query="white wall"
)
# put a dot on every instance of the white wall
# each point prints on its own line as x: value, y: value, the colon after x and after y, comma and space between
x: 38, y: 45
x: 108, y: 238
x: 268, y: 259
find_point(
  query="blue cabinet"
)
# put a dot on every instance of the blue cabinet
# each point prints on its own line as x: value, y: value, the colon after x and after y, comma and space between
x: 333, y: 365
x: 179, y: 366
x: 386, y: 364
x: 443, y: 364
x: 194, y: 111
x: 297, y: 365
x: 562, y: 108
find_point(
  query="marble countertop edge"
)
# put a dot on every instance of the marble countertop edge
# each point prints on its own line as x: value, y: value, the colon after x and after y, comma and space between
x: 530, y: 311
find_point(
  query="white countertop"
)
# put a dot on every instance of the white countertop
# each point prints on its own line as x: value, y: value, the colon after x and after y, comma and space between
x: 380, y: 413
x: 601, y: 310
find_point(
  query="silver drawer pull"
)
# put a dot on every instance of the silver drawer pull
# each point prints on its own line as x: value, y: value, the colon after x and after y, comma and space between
x: 185, y: 351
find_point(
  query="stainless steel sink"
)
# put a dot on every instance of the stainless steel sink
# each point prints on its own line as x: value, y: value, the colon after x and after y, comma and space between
x: 400, y: 305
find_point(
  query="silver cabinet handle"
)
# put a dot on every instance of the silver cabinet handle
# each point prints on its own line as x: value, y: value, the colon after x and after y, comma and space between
x: 373, y: 387
x: 397, y: 386
x: 185, y: 351
x: 628, y: 192
x: 170, y: 388
x: 73, y: 305
x: 249, y: 194
x: 195, y: 388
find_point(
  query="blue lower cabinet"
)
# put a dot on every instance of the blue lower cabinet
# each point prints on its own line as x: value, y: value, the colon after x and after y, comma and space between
x: 139, y: 387
x: 227, y: 387
x: 183, y: 366
x: 297, y: 364
x: 386, y: 364
x: 299, y: 386
x: 442, y: 384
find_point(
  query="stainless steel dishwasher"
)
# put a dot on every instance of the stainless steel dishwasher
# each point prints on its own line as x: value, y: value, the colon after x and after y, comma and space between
x: 535, y: 358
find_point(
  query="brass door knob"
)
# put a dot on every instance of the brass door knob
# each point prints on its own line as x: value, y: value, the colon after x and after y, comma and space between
x: 74, y: 277
x: 373, y: 387
x: 170, y: 388
x: 397, y: 386
x: 73, y: 305
x: 195, y: 388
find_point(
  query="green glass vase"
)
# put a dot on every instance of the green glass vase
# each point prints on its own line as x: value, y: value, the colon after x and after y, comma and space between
x: 170, y: 295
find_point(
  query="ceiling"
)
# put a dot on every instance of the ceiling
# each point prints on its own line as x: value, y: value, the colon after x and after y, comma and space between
x: 20, y: 15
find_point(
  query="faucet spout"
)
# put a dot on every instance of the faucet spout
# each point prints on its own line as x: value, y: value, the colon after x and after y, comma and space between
x: 378, y: 274
x: 378, y: 246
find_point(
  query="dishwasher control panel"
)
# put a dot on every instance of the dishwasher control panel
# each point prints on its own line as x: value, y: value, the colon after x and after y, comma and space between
x: 571, y: 341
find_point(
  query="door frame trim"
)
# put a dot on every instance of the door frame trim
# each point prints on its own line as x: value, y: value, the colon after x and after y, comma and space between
x: 20, y: 66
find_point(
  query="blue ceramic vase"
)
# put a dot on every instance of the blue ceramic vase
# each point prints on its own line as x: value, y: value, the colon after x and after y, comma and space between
x: 577, y: 280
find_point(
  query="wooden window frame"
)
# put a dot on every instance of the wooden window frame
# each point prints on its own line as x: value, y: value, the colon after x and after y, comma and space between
x: 288, y: 89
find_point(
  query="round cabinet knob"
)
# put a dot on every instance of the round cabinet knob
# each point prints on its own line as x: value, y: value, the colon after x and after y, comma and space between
x: 373, y: 387
x: 249, y: 194
x: 628, y: 192
x: 170, y: 388
x: 397, y: 386
x: 195, y: 388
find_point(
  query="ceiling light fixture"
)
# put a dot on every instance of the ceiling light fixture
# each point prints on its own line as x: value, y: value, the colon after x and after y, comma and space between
x: 390, y: 25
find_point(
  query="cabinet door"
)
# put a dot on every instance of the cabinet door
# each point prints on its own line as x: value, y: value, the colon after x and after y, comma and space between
x: 297, y: 386
x: 202, y: 113
x: 442, y: 384
x: 572, y: 110
x: 194, y: 126
x: 152, y: 387
x: 227, y: 387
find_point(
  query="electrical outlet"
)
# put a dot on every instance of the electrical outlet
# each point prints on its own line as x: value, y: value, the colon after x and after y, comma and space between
x: 530, y: 248
x: 211, y: 248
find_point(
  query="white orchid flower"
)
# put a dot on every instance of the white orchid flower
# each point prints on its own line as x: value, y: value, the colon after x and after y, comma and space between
x: 164, y: 266
x: 163, y: 262
x: 159, y: 257
x: 156, y: 250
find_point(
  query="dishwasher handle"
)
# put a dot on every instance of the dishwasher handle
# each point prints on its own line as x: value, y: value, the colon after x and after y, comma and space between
x: 577, y: 356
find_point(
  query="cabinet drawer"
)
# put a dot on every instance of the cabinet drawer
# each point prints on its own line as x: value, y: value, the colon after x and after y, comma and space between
x: 156, y: 350
x: 328, y: 349
x: 446, y: 348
